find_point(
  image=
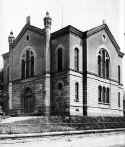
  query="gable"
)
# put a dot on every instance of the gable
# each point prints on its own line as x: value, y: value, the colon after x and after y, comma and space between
x: 30, y: 28
x: 110, y: 35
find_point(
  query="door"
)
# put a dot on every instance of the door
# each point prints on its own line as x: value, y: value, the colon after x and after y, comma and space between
x: 28, y: 101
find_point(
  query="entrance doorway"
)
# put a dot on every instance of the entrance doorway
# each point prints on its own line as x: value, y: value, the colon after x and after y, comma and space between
x: 28, y: 101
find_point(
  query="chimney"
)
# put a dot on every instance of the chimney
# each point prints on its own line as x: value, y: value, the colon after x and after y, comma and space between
x: 28, y: 20
x: 103, y: 21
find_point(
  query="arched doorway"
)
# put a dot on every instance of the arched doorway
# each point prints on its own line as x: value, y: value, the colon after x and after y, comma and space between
x: 28, y: 101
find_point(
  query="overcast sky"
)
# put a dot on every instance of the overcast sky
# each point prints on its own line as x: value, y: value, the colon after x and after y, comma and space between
x: 83, y: 14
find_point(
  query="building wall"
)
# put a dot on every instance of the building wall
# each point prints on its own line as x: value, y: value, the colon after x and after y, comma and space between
x: 36, y: 85
x: 36, y: 42
x: 94, y: 108
x: 94, y: 43
x: 60, y: 42
x: 60, y: 97
x: 63, y: 100
x: 76, y: 108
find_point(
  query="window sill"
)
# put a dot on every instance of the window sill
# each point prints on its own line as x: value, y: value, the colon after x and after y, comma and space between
x: 103, y: 103
x: 28, y: 79
x: 76, y: 101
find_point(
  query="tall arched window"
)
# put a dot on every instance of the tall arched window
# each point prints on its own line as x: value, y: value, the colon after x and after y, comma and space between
x: 27, y: 64
x: 76, y: 59
x: 60, y: 59
x: 103, y: 64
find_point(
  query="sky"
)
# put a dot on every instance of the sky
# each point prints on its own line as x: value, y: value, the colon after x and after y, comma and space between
x: 83, y: 14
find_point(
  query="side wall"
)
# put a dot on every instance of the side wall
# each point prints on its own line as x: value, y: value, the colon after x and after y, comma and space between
x: 94, y: 44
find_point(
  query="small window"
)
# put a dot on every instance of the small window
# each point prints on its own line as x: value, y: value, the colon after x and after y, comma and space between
x: 99, y: 94
x: 103, y: 94
x: 99, y: 65
x: 77, y: 92
x: 119, y: 74
x: 118, y: 99
x: 27, y: 37
x: 60, y: 59
x: 76, y: 58
x: 107, y: 96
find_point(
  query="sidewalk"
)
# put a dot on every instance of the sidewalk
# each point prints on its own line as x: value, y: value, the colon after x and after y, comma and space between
x: 30, y: 135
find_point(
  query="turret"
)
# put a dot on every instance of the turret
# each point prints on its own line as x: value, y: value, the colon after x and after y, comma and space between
x: 47, y: 26
x: 47, y: 21
x: 11, y: 40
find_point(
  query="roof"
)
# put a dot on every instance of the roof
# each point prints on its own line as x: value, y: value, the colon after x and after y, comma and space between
x: 88, y: 33
x: 71, y: 29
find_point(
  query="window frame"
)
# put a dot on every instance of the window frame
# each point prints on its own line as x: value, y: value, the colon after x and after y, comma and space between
x: 26, y: 56
x: 102, y: 65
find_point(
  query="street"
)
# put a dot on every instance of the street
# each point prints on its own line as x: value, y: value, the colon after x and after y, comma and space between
x: 85, y: 140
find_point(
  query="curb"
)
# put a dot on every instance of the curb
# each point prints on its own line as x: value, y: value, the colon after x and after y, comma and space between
x: 16, y: 136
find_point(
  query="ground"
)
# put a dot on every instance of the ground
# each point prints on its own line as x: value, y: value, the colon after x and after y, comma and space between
x: 90, y: 140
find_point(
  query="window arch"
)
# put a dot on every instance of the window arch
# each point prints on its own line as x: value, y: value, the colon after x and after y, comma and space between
x: 103, y: 63
x: 59, y: 85
x: 27, y: 64
x: 76, y: 59
x: 60, y: 59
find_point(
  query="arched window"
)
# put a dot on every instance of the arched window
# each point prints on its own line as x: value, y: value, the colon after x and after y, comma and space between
x: 76, y: 59
x: 99, y: 65
x: 27, y: 64
x: 60, y: 59
x: 77, y: 92
x: 107, y: 95
x: 103, y: 94
x: 103, y: 64
x: 99, y: 94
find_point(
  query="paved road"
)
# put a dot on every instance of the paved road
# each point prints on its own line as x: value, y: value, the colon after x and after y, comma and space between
x: 91, y: 140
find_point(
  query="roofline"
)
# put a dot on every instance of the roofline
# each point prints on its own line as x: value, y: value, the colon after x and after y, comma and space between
x: 66, y: 30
